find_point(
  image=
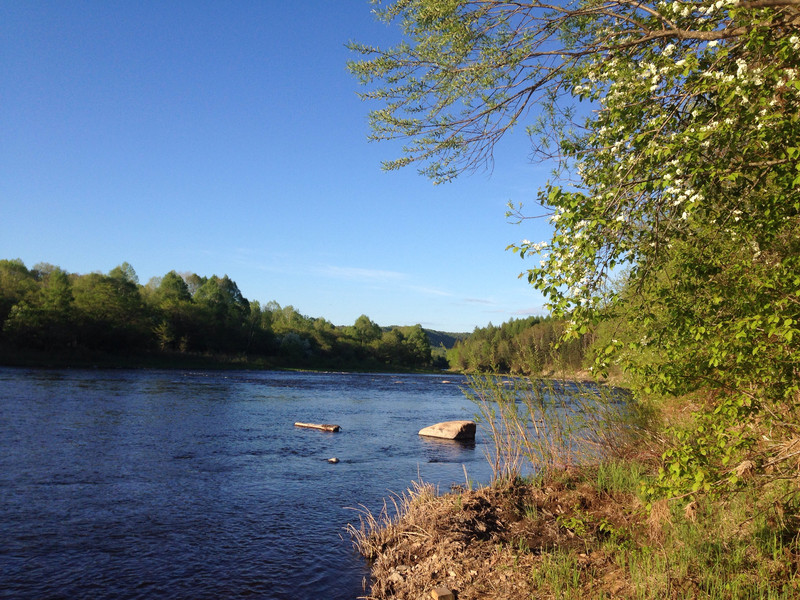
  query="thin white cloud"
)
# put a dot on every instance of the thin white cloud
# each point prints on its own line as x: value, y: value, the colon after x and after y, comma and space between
x: 365, y: 275
x: 379, y: 276
x: 478, y: 301
x: 429, y: 291
x: 530, y: 312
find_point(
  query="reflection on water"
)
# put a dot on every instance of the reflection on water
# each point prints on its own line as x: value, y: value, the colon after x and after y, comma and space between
x: 131, y: 484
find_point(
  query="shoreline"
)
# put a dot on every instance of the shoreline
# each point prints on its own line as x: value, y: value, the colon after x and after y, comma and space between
x: 177, y: 361
x: 499, y: 542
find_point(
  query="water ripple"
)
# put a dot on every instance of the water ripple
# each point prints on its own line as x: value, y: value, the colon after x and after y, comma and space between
x: 131, y: 484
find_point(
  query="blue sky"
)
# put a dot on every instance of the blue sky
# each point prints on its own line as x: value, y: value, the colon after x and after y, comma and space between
x: 228, y: 138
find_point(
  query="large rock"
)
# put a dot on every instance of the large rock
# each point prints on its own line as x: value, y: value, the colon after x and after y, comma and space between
x: 451, y: 430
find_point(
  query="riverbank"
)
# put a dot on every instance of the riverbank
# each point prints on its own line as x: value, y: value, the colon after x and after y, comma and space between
x: 583, y: 533
x: 513, y: 541
x: 577, y: 537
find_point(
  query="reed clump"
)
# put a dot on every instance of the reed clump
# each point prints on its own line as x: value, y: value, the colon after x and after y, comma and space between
x: 541, y: 426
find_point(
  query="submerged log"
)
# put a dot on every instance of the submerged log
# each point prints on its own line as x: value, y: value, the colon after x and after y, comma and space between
x: 451, y: 430
x: 320, y: 426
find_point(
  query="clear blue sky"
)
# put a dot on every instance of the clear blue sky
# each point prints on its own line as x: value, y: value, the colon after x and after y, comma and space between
x: 228, y: 138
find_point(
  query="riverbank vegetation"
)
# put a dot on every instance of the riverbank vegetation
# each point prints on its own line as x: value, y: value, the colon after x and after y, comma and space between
x: 674, y: 132
x: 51, y: 317
x: 570, y: 512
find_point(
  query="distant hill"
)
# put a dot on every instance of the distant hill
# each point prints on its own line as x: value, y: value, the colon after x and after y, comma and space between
x: 448, y: 340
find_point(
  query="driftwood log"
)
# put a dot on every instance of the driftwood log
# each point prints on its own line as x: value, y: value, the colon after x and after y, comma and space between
x: 320, y: 426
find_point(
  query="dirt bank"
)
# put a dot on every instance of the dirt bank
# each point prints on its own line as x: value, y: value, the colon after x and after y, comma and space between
x: 499, y: 543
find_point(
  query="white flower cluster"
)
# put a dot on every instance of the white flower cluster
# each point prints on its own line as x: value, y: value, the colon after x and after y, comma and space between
x: 537, y: 247
x: 657, y: 115
x: 704, y: 9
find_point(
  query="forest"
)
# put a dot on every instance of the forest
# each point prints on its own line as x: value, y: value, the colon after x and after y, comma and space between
x: 70, y: 318
x: 530, y: 346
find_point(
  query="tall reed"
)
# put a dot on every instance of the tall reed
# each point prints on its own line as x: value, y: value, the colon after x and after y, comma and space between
x: 537, y: 426
x: 374, y: 531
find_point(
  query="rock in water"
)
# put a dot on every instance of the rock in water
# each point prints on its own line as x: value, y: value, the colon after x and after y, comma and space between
x: 333, y: 460
x: 451, y: 430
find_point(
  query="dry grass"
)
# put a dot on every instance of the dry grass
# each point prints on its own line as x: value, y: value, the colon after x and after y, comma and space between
x: 572, y: 538
x: 494, y: 542
x: 373, y: 532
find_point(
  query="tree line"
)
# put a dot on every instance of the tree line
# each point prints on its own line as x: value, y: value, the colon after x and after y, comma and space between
x: 48, y: 310
x: 529, y: 346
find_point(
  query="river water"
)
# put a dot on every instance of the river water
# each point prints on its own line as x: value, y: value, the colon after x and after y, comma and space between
x: 169, y: 484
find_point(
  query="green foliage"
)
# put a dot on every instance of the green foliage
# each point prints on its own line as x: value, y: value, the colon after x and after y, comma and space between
x: 16, y: 284
x: 110, y: 313
x: 675, y: 203
x: 46, y: 318
x: 366, y: 330
x: 528, y: 346
x: 47, y: 310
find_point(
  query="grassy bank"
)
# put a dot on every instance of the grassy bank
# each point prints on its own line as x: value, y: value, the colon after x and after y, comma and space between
x: 582, y: 528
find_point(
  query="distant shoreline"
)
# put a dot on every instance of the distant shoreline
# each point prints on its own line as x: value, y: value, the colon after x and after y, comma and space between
x: 12, y: 357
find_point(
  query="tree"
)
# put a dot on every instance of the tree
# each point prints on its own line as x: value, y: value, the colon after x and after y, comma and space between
x: 366, y: 330
x: 225, y: 311
x: 125, y: 272
x: 172, y: 288
x: 16, y: 283
x: 391, y: 347
x: 110, y: 312
x: 45, y: 318
x: 675, y: 130
x: 418, y: 347
x: 177, y: 312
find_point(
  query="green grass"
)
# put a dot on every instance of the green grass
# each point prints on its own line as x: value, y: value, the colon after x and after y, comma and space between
x: 723, y: 551
x: 620, y: 476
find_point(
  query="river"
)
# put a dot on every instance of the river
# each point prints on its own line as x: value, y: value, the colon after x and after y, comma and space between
x: 171, y: 484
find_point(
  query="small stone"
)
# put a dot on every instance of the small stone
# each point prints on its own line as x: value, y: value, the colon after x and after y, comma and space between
x: 442, y: 593
x: 333, y: 460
